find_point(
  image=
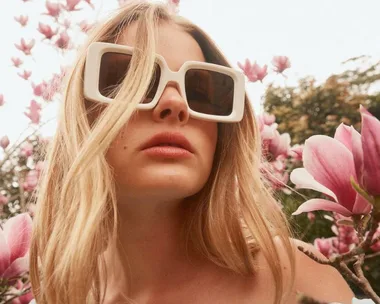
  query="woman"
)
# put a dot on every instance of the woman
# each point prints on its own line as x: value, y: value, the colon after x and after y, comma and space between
x: 152, y: 191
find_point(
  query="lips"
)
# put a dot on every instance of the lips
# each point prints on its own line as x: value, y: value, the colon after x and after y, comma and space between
x: 168, y: 139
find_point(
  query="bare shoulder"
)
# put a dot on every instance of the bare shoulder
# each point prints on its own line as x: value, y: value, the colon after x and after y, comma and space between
x: 322, y: 282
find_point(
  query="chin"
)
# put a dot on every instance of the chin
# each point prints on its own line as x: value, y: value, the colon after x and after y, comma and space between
x: 168, y: 185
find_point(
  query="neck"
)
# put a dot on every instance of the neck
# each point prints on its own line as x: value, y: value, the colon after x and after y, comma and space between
x: 150, y: 249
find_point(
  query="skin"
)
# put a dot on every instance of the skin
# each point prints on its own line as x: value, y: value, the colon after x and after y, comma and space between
x: 151, y: 195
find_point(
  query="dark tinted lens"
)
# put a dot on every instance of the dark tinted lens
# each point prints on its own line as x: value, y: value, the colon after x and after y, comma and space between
x: 209, y: 92
x: 113, y: 68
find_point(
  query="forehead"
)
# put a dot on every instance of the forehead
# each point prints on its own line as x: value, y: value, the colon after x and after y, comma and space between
x: 173, y: 43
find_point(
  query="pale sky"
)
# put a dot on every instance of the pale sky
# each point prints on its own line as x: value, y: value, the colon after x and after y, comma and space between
x: 317, y: 35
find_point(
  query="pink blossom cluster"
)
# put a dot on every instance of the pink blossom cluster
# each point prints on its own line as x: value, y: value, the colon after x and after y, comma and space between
x: 58, y: 37
x: 255, y: 72
x: 275, y: 150
x: 345, y: 239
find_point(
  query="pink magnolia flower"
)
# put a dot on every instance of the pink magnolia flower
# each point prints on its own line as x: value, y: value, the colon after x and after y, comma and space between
x: 31, y: 180
x: 267, y: 119
x: 54, y: 9
x: 281, y: 63
x: 4, y: 142
x: 2, y: 100
x: 25, y: 298
x: 275, y: 173
x: 3, y: 200
x: 16, y: 61
x: 34, y: 112
x: 46, y: 30
x: 311, y: 216
x: 366, y: 151
x: 14, y: 246
x: 328, y: 167
x: 25, y: 47
x: 274, y: 144
x: 25, y: 74
x: 347, y: 237
x: 63, y: 41
x: 279, y: 145
x: 253, y: 71
x: 53, y: 86
x: 376, y: 246
x: 296, y: 152
x: 85, y: 26
x: 325, y: 246
x: 71, y: 5
x: 23, y: 20
x: 26, y: 149
x: 363, y: 110
x: 38, y: 90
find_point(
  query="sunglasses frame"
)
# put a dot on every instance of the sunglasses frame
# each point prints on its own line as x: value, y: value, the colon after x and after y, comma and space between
x: 92, y: 70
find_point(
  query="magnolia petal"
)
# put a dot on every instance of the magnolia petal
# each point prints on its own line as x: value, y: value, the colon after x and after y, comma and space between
x: 18, y: 231
x: 304, y: 180
x: 18, y: 267
x: 363, y: 110
x: 371, y: 153
x: 322, y: 204
x: 343, y: 134
x: 5, y: 254
x: 332, y: 165
x: 362, y: 206
x: 357, y: 152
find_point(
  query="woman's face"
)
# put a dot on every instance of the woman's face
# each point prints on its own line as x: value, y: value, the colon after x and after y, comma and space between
x: 142, y: 174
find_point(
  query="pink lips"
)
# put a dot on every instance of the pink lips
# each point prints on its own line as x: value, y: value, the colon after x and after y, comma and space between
x: 168, y: 144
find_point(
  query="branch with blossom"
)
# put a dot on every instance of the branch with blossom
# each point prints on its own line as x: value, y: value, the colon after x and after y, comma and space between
x: 347, y: 171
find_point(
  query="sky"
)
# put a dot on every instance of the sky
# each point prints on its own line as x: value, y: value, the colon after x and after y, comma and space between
x: 317, y: 36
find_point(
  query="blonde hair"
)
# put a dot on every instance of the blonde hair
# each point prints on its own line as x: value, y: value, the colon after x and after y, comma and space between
x: 76, y: 215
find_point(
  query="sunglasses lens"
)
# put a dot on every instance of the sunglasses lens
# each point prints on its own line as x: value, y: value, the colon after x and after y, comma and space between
x: 209, y: 92
x: 113, y: 69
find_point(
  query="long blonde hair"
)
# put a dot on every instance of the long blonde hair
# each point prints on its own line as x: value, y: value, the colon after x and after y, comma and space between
x: 76, y: 214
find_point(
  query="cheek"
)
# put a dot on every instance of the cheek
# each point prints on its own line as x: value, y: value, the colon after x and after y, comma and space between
x: 118, y: 154
x: 210, y: 130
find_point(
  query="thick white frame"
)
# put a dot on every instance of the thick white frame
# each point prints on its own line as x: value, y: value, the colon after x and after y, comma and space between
x: 92, y: 69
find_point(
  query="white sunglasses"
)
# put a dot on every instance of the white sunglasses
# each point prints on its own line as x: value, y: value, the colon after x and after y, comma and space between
x: 212, y: 92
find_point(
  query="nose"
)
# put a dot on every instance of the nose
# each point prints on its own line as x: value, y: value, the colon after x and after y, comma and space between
x: 171, y: 106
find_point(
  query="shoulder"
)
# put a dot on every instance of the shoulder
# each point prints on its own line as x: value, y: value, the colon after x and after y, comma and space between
x: 321, y: 282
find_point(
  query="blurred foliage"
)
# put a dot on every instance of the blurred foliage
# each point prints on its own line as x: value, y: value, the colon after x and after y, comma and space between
x: 311, y: 109
x: 14, y: 169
